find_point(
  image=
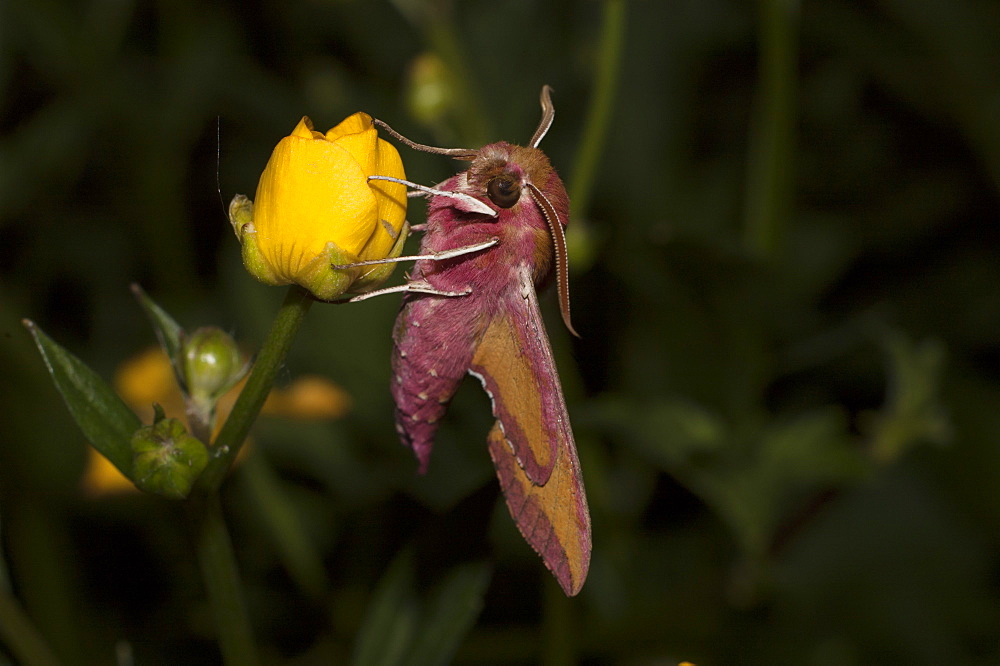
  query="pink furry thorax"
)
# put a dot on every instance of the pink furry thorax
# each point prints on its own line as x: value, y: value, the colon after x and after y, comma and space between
x: 436, y: 336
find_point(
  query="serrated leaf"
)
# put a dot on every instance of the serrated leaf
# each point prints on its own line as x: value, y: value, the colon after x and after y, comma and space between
x: 105, y: 420
x: 168, y: 332
x: 391, y: 620
x: 449, y: 614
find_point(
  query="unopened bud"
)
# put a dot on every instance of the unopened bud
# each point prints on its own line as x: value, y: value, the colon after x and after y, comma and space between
x: 212, y: 364
x: 166, y: 460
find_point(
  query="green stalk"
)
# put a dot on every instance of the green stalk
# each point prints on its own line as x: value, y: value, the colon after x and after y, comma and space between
x: 222, y: 580
x: 770, y: 183
x: 236, y: 428
x: 204, y: 510
x: 612, y: 41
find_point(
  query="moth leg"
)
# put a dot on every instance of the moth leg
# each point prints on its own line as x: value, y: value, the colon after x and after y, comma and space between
x: 417, y: 286
x: 433, y: 256
x: 469, y: 203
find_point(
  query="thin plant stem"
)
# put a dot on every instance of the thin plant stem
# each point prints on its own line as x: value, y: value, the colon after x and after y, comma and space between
x: 609, y: 58
x: 204, y: 511
x: 770, y: 183
x: 222, y: 580
x: 248, y: 405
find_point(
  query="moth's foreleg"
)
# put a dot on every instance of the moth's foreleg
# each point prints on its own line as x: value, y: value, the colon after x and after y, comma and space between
x: 416, y: 286
x: 433, y: 256
x: 467, y: 203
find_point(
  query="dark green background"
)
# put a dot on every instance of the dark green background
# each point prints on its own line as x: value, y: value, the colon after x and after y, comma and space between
x: 789, y: 436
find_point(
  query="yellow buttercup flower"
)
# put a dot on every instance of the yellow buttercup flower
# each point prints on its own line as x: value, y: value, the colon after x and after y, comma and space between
x: 315, y: 208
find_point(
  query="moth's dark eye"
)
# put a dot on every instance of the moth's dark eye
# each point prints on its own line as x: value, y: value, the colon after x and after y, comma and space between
x: 504, y: 191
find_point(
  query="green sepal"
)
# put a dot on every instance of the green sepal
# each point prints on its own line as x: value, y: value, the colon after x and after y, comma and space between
x: 166, y: 459
x: 240, y: 214
x: 317, y: 277
x: 168, y: 332
x: 322, y: 280
x: 376, y: 275
x: 105, y: 420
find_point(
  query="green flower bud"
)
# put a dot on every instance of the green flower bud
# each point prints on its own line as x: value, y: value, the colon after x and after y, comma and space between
x: 166, y: 460
x: 212, y: 364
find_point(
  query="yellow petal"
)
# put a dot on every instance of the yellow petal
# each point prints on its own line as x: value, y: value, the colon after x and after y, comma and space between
x: 356, y: 123
x: 356, y: 134
x: 312, y: 192
x: 304, y: 130
x: 391, y: 198
x: 376, y: 157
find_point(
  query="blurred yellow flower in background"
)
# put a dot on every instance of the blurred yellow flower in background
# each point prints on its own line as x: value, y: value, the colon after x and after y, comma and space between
x: 315, y: 207
x: 148, y: 378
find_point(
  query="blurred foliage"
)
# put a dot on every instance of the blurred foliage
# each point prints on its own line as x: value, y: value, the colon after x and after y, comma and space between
x: 786, y: 395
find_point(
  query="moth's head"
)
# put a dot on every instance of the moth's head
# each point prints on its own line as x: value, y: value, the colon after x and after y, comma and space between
x: 502, y: 171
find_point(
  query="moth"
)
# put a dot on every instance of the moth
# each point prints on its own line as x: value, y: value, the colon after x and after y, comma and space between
x: 493, y: 237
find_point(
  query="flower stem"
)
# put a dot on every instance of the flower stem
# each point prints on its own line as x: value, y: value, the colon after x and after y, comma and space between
x: 610, y: 46
x: 204, y: 511
x: 222, y: 580
x: 770, y: 182
x: 236, y: 428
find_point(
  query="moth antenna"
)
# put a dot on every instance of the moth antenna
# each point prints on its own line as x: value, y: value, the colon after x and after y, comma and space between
x: 473, y: 205
x: 460, y: 153
x: 548, y: 115
x: 559, y: 243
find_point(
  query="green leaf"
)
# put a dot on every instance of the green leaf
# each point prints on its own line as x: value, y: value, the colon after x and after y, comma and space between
x: 168, y: 332
x: 391, y: 620
x: 913, y: 412
x: 790, y: 458
x: 106, y: 421
x: 449, y: 614
x: 401, y: 628
x: 278, y: 514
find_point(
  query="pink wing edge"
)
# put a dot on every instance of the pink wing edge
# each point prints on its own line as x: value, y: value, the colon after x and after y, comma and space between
x: 547, y: 502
